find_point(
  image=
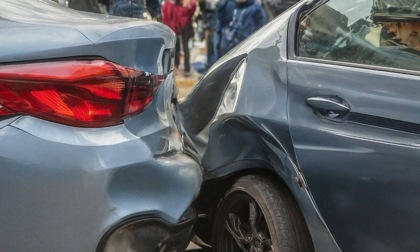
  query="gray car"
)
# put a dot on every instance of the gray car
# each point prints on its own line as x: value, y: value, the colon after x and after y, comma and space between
x: 309, y: 136
x: 90, y: 155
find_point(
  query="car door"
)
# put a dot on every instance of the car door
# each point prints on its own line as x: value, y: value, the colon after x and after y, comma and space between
x: 354, y: 114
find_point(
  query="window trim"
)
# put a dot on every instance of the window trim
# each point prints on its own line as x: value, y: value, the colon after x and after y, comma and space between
x: 357, y: 66
x: 293, y: 25
x: 292, y: 44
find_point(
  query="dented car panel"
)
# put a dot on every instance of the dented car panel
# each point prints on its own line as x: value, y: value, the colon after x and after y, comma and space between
x: 127, y: 187
x: 244, y: 125
x: 326, y: 104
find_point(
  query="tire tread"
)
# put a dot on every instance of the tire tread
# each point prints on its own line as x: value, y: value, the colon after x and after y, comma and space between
x: 285, y: 218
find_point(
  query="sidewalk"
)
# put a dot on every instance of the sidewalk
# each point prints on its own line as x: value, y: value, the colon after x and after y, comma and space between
x: 186, y: 83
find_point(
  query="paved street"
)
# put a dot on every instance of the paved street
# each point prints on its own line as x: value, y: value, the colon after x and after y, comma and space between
x: 186, y: 83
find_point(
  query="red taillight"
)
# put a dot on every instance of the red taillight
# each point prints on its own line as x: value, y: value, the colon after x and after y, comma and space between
x: 94, y: 93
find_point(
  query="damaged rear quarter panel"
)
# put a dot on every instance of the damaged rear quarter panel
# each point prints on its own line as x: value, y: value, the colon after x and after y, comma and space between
x: 254, y: 135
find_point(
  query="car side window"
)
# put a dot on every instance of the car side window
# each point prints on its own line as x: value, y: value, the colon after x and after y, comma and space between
x: 371, y: 32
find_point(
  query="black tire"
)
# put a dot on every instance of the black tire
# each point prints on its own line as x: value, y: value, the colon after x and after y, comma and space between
x: 258, y: 215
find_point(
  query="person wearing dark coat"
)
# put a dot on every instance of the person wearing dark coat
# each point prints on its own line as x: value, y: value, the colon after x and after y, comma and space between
x: 248, y: 17
x: 224, y: 15
x: 154, y: 8
x: 208, y: 11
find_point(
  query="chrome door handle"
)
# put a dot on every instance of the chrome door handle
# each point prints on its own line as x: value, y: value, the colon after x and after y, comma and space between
x: 331, y: 107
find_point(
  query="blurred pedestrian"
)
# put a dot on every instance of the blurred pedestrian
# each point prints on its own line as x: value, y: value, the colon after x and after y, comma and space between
x: 224, y: 16
x: 154, y: 8
x: 208, y: 10
x: 178, y: 16
x: 248, y: 17
x: 129, y: 8
x: 208, y: 17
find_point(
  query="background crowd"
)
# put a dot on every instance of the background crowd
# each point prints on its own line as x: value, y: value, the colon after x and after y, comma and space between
x: 222, y: 24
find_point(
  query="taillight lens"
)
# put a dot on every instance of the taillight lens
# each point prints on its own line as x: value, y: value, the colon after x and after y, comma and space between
x: 88, y: 93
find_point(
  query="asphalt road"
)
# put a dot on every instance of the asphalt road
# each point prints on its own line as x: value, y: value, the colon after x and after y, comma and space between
x: 184, y: 82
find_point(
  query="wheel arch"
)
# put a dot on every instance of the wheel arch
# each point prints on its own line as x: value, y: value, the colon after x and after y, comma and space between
x: 213, y: 190
x: 243, y: 145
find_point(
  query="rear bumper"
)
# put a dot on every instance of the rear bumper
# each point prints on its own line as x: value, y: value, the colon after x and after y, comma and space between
x: 148, y: 234
x: 67, y: 189
x: 63, y: 197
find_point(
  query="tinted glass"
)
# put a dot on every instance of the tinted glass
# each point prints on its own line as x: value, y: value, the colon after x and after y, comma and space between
x: 372, y: 32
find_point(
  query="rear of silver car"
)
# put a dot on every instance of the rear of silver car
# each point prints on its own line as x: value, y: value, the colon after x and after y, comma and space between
x: 107, y: 177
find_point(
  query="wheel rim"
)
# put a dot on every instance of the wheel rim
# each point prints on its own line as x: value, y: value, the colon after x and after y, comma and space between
x: 244, y: 226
